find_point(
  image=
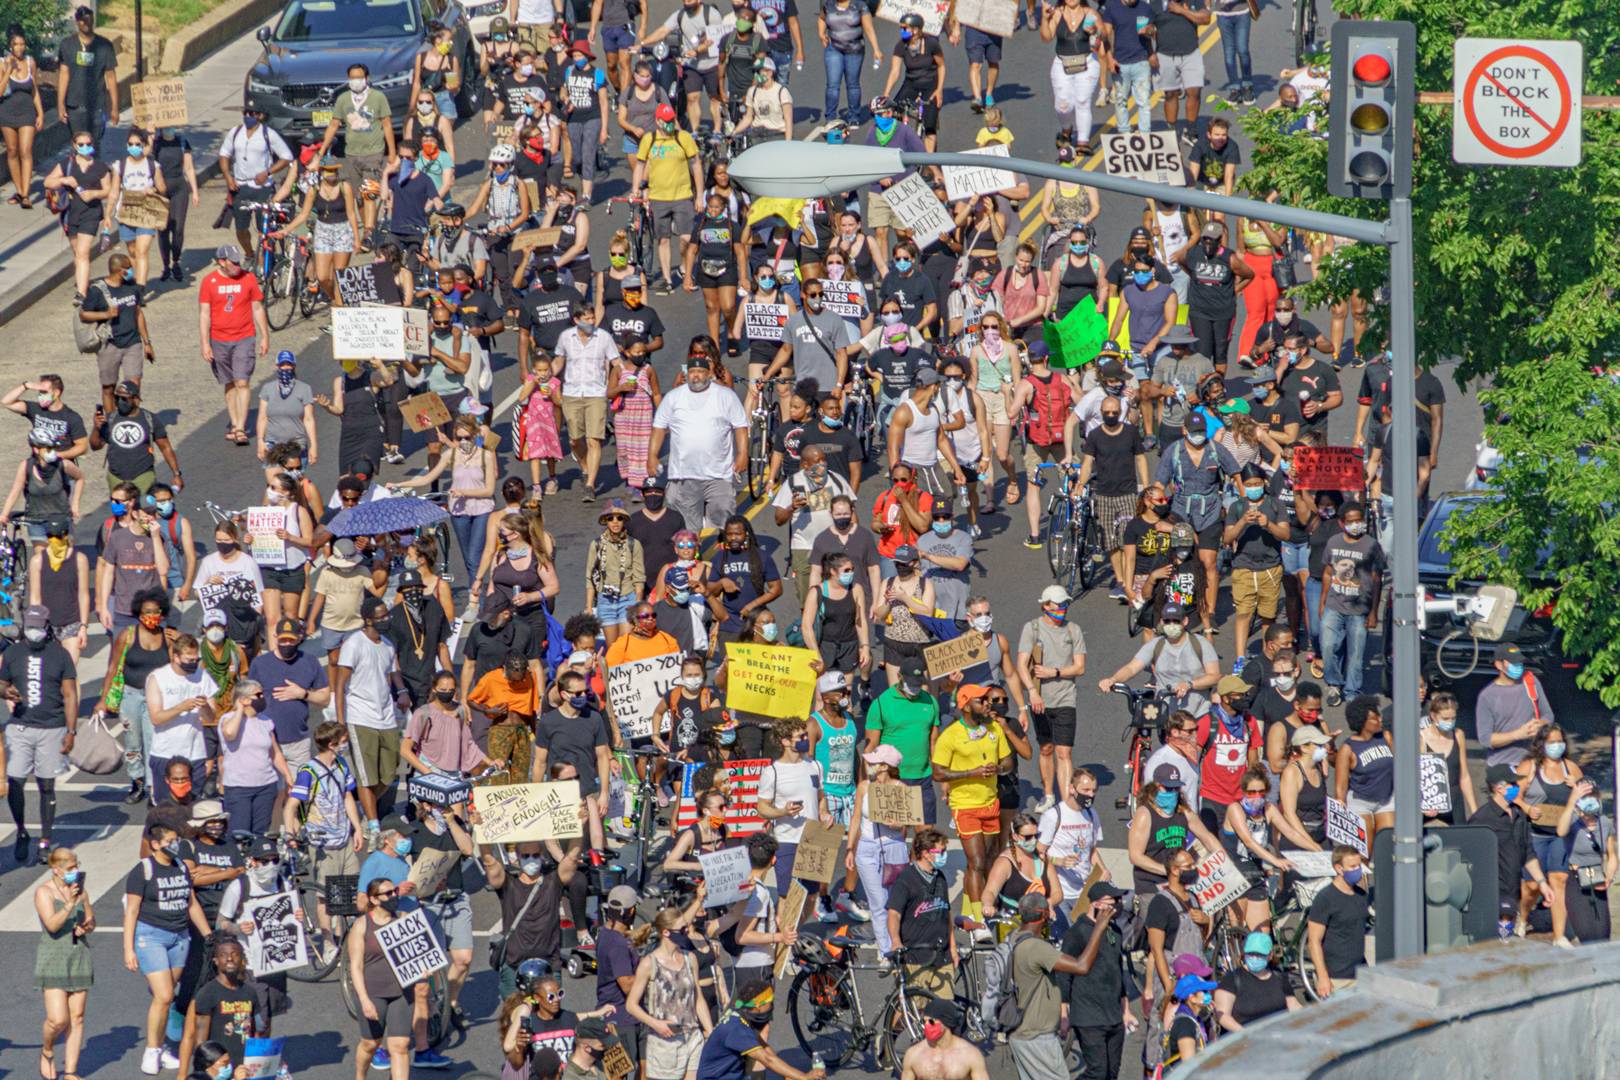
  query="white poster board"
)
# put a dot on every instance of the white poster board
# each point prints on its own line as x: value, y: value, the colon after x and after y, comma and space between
x: 919, y: 209
x: 1219, y: 882
x: 263, y: 522
x: 277, y: 942
x: 416, y: 331
x: 964, y: 183
x: 635, y: 687
x: 1152, y: 156
x: 846, y: 299
x: 1311, y: 864
x: 994, y: 17
x: 764, y: 322
x: 411, y: 948
x: 363, y: 333
x: 1344, y: 826
x: 725, y: 872
x: 932, y: 11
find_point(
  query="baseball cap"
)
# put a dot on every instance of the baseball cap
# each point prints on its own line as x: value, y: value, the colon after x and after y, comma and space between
x: 1232, y: 684
x: 37, y: 617
x: 942, y: 510
x: 927, y: 377
x: 1500, y: 774
x: 678, y: 579
x: 1141, y: 233
x: 945, y: 1011
x: 396, y: 823
x: 285, y: 356
x: 1188, y: 985
x: 1257, y: 943
x: 1104, y: 890
x: 832, y: 682
x: 1190, y: 964
x: 658, y: 481
x: 1509, y: 654
x: 264, y: 849
x: 622, y: 897
x: 665, y: 113
x: 1055, y: 594
x: 126, y: 388
x: 1182, y: 535
x: 884, y: 754
x: 696, y: 361
x: 410, y: 579
x: 914, y: 669
x: 631, y: 282
x: 1111, y: 369
x: 214, y: 617
x: 905, y: 553
x: 1306, y: 735
x: 228, y: 253
x: 967, y: 692
x: 1195, y: 422
x: 207, y: 810
x: 1166, y: 776
x: 289, y: 630
x: 1213, y: 230
x: 592, y: 1027
x: 1172, y: 613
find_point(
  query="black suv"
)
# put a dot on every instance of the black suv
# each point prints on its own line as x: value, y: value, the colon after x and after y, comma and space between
x: 308, y: 50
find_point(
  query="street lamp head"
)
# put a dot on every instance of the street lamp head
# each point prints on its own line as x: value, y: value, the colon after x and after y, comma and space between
x: 799, y: 170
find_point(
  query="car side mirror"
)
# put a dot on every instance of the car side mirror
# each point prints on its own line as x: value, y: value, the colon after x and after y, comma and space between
x: 263, y: 35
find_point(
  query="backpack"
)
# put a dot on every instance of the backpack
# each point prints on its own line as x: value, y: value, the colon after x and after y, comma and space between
x: 795, y: 632
x: 1001, y: 1009
x: 89, y: 337
x: 1048, y: 406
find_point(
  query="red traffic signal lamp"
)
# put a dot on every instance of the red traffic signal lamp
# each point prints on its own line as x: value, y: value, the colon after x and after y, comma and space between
x: 1370, y: 110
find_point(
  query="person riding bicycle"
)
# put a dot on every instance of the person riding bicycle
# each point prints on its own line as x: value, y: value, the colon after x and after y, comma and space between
x: 917, y: 67
x: 1047, y: 395
x: 1251, y: 830
x: 1182, y: 666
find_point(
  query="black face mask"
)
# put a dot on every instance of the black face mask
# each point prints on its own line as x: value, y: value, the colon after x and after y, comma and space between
x: 287, y: 652
x: 1188, y: 878
x: 548, y: 280
x: 125, y: 406
x: 390, y: 905
x: 445, y: 696
x: 225, y: 549
x: 653, y: 500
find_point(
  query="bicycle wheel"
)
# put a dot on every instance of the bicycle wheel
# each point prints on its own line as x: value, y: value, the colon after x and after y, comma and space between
x: 1057, y: 534
x: 819, y: 1009
x: 438, y: 1019
x: 1304, y: 30
x: 759, y: 453
x: 346, y: 989
x: 1303, y: 971
x: 308, y: 299
x: 1090, y: 554
x: 642, y: 238
x: 321, y: 943
x: 280, y: 291
x: 902, y: 1026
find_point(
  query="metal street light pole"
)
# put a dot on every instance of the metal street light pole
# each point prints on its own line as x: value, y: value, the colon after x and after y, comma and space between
x: 798, y: 170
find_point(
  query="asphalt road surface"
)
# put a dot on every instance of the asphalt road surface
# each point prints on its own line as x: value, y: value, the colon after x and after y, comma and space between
x: 91, y: 814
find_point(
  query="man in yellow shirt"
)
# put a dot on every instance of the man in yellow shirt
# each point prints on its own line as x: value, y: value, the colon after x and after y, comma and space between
x: 668, y: 172
x: 968, y: 755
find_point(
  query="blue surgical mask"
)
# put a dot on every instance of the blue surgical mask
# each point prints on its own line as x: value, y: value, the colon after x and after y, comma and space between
x: 1589, y: 804
x: 1253, y: 493
x: 1515, y: 671
x: 1254, y: 805
x: 801, y: 745
x: 833, y: 421
x: 1255, y: 963
x: 129, y: 273
x: 768, y: 631
x: 531, y: 867
x: 73, y: 877
x: 846, y: 578
x: 767, y: 283
x: 683, y: 597
x: 502, y: 174
x: 941, y: 528
x: 905, y: 35
x: 1511, y: 793
x: 225, y: 1070
x: 1142, y: 277
x: 1079, y: 249
x: 402, y: 846
x: 1352, y: 878
x: 1167, y: 801
x: 727, y: 736
x: 84, y: 150
x: 118, y: 509
x: 580, y: 63
x: 580, y: 702
x: 903, y: 265
x: 135, y: 150
x: 941, y: 859
x: 250, y: 122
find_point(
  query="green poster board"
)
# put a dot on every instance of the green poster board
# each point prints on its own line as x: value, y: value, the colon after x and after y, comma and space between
x: 1074, y: 340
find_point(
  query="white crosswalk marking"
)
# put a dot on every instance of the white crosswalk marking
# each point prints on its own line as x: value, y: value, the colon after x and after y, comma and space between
x: 106, y: 854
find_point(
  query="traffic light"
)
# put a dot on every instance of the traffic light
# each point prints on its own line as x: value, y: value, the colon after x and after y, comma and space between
x: 1459, y: 888
x: 1370, y: 109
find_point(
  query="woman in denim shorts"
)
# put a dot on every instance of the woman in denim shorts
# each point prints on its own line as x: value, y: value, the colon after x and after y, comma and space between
x: 160, y: 907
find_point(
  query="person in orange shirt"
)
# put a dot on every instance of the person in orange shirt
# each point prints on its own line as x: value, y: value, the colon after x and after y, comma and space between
x: 644, y: 640
x: 510, y: 697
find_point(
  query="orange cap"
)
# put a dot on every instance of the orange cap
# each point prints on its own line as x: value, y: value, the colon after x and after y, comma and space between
x: 967, y: 692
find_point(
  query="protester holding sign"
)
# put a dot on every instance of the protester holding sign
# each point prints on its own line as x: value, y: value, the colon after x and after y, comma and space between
x: 385, y: 1005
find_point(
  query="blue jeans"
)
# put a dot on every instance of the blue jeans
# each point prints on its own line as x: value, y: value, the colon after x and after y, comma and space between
x: 470, y: 530
x: 137, y: 734
x: 1351, y: 632
x: 843, y: 67
x: 1235, y: 49
x: 160, y: 950
x: 249, y: 808
x: 1134, y: 81
x: 1313, y: 597
x: 784, y: 63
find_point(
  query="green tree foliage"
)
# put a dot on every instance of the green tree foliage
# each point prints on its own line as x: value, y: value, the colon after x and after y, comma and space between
x: 1518, y: 275
x: 43, y: 22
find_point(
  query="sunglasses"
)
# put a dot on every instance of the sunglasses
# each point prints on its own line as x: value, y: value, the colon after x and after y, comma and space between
x: 812, y: 295
x: 441, y: 325
x: 387, y: 894
x: 647, y: 616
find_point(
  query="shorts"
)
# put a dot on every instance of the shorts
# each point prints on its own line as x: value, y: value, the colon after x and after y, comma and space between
x: 291, y: 581
x: 375, y: 755
x: 1209, y: 538
x: 615, y: 610
x: 142, y: 481
x: 936, y: 980
x: 840, y: 807
x: 536, y: 36
x: 160, y: 950
x: 296, y: 751
x: 452, y: 921
x: 972, y: 471
x: 1041, y: 455
x: 617, y: 39
x: 977, y: 820
x: 1552, y: 851
x: 358, y: 168
x: 840, y: 655
x: 331, y: 640
x: 878, y: 213
x: 1055, y: 726
x: 586, y: 416
x: 393, y: 1018
x: 248, y: 193
x: 694, y: 81
x: 128, y: 233
x: 35, y: 751
x: 982, y: 48
x: 1366, y: 807
x: 671, y: 1059
x: 1257, y: 590
x: 336, y: 862
x: 726, y: 280
x: 897, y: 652
x: 333, y: 238
x: 1296, y: 558
x: 119, y: 362
x: 1180, y: 72
x: 995, y: 408
x: 671, y: 217
x: 234, y: 360
x: 1114, y: 512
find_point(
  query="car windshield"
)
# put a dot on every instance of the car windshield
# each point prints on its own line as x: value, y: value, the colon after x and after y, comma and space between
x: 1431, y: 549
x: 336, y: 20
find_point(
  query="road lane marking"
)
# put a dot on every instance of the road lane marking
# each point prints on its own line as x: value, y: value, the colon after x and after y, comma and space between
x: 112, y: 846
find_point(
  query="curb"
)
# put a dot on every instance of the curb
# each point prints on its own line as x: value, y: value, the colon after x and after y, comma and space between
x: 219, y: 27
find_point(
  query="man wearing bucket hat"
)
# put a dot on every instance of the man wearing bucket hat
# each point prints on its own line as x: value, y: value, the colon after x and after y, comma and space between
x: 1174, y: 382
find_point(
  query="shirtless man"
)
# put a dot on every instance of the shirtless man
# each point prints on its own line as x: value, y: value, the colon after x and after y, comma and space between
x: 942, y: 1055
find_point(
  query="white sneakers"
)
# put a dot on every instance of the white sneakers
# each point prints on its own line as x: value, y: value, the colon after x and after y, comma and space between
x: 156, y: 1059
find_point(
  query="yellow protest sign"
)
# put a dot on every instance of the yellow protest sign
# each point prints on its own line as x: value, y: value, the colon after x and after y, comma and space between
x: 770, y: 680
x: 518, y: 812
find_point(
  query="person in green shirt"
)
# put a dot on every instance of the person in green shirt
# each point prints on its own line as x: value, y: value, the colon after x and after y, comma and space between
x: 362, y: 111
x: 906, y: 717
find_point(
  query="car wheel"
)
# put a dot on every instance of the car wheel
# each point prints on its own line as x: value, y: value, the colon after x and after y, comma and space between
x: 467, y: 95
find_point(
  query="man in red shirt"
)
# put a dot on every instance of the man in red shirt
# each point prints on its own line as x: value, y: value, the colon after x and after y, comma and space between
x: 1230, y: 742
x: 899, y: 514
x: 230, y: 315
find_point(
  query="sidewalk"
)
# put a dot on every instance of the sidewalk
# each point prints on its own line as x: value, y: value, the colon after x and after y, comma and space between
x: 33, y: 252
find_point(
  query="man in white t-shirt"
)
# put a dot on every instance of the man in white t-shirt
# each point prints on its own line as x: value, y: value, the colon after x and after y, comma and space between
x: 805, y: 500
x: 582, y: 359
x: 367, y: 688
x: 1070, y: 834
x: 707, y: 430
x: 791, y: 795
x: 179, y: 696
x: 533, y: 19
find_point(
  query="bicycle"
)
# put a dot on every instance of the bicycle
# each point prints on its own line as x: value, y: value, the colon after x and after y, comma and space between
x: 283, y: 263
x: 1148, y: 710
x: 829, y: 1015
x: 16, y: 551
x: 761, y: 432
x: 1305, y: 29
x: 439, y: 530
x: 860, y: 416
x: 337, y: 894
x: 640, y: 800
x: 638, y: 231
x: 1290, y: 952
x: 1075, y: 549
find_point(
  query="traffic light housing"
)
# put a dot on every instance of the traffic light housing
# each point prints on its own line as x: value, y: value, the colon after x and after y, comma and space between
x: 1370, y: 109
x: 1459, y: 888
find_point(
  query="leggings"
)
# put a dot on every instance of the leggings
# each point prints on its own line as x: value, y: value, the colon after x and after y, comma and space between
x: 1214, y: 335
x: 877, y: 894
x: 172, y: 237
x: 1074, y: 92
x: 1259, y: 299
x: 393, y: 421
x: 582, y: 138
x: 47, y: 804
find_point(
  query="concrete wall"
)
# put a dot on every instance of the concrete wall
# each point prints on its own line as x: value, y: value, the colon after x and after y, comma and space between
x: 1519, y: 1009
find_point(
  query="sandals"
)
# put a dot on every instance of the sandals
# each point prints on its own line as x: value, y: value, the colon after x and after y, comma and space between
x: 44, y: 1060
x: 237, y: 436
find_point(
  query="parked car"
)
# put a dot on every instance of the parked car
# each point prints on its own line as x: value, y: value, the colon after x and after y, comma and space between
x: 308, y: 50
x: 480, y: 13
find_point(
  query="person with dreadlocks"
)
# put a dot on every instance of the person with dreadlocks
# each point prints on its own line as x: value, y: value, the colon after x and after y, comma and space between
x: 742, y: 1038
x: 744, y: 579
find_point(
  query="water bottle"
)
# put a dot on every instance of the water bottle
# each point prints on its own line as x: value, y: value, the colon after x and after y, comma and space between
x: 817, y: 1064
x: 283, y: 1073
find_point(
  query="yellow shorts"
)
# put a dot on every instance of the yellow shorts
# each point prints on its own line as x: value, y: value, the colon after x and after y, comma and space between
x: 586, y: 416
x: 1040, y: 455
x: 878, y: 214
x: 1257, y: 590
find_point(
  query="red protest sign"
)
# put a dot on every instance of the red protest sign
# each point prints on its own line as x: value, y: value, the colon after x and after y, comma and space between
x: 1328, y: 468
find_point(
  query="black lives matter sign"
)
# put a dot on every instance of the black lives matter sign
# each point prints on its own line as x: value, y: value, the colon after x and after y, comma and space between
x: 411, y: 948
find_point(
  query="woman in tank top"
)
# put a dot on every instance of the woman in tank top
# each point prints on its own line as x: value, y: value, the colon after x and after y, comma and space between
x: 1065, y: 204
x: 1071, y: 27
x: 135, y: 178
x: 1076, y: 276
x: 1017, y: 871
x: 1547, y: 781
x: 59, y: 579
x: 905, y: 596
x: 1171, y: 225
x: 1593, y: 862
x: 1441, y: 738
x: 1303, y: 798
x: 1365, y: 768
x: 1258, y: 242
x: 336, y: 233
x: 354, y: 403
x: 385, y: 1006
x: 665, y: 998
x: 835, y: 622
x: 47, y: 485
x: 137, y: 651
x: 1160, y: 827
x: 474, y: 471
x: 284, y: 584
x: 21, y: 116
x: 1251, y: 833
x: 523, y: 570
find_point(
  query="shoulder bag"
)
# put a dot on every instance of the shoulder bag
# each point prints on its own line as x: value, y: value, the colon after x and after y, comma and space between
x: 497, y: 942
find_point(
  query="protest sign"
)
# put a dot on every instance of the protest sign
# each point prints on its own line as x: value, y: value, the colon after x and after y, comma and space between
x: 919, y: 209
x: 411, y: 948
x: 962, y: 651
x: 635, y: 687
x: 147, y: 210
x: 616, y: 1063
x: 1329, y: 468
x: 894, y: 804
x: 515, y: 812
x: 817, y: 858
x: 764, y: 322
x: 416, y: 331
x: 502, y: 133
x: 1219, y: 882
x: 158, y: 103
x: 1345, y: 827
x: 1151, y: 156
x: 262, y: 1056
x: 846, y: 299
x: 994, y: 17
x: 1073, y: 340
x: 536, y: 238
x: 239, y: 590
x: 932, y: 11
x: 1435, y: 783
x: 438, y: 789
x: 358, y: 285
x: 771, y: 680
x: 724, y: 872
x: 791, y: 913
x: 424, y: 411
x: 361, y: 333
x: 740, y: 781
x: 1311, y: 864
x: 964, y: 182
x: 430, y: 870
x: 277, y: 942
x: 263, y: 522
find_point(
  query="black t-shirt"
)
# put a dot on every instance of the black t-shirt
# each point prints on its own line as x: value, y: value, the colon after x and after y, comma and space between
x: 1325, y: 530
x: 1094, y: 998
x: 1429, y: 391
x: 573, y: 740
x: 913, y: 292
x: 64, y: 425
x: 477, y: 310
x: 1280, y: 487
x: 37, y: 675
x: 131, y: 441
x: 1310, y: 383
x: 215, y: 857
x: 1119, y: 273
x: 1512, y: 829
x: 1182, y: 1027
x: 1272, y: 333
x: 487, y: 648
x: 515, y: 90
x: 554, y: 1034
x: 1177, y: 35
x: 899, y: 367
x: 657, y: 539
x: 234, y: 1015
x: 1208, y: 165
x: 165, y: 894
x: 1115, y: 455
x: 1254, y: 997
x: 738, y: 566
x: 1162, y: 915
x: 860, y: 547
x: 626, y: 323
x: 538, y: 935
x: 840, y: 445
x: 1256, y: 548
x: 126, y: 300
x: 789, y: 442
x: 1152, y: 544
x: 87, y: 88
x: 925, y: 914
x: 676, y: 621
x: 921, y: 72
x: 714, y: 238
x: 1270, y: 707
x: 1344, y: 944
x: 1278, y: 415
x: 545, y: 315
x: 416, y: 641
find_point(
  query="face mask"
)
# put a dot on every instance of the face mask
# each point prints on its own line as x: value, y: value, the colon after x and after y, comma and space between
x: 1211, y: 246
x: 1355, y: 528
x: 1260, y: 393
x: 1256, y: 964
x: 586, y: 326
x: 579, y: 702
x: 189, y: 667
x: 402, y: 846
x: 1142, y: 277
x: 1174, y: 630
x: 531, y: 867
x: 1079, y: 249
x: 892, y: 318
x: 265, y: 876
x: 1254, y: 494
x: 909, y: 688
x: 1588, y: 805
x: 225, y: 1070
x: 1188, y: 878
x: 1284, y: 318
x: 1254, y: 805
x: 654, y: 500
x: 842, y: 523
x: 225, y: 548
x: 73, y: 877
x: 643, y: 80
x: 357, y: 86
x: 35, y: 636
x: 517, y: 552
x: 941, y: 528
x: 1318, y: 755
x: 1328, y: 511
x: 1446, y: 726
x: 683, y: 597
x: 801, y: 745
x: 89, y: 151
x: 1515, y: 671
x: 1555, y: 750
x: 579, y: 64
x: 767, y: 283
x: 846, y: 578
x: 768, y: 631
x: 172, y: 848
x: 902, y: 265
x: 1352, y: 878
x: 955, y: 384
x: 813, y: 303
x: 390, y: 905
x: 940, y: 860
x: 727, y: 737
x: 1511, y: 793
x: 1027, y: 845
x: 1283, y: 683
x: 526, y: 70
x: 1197, y: 440
x: 1167, y: 801
x: 215, y: 634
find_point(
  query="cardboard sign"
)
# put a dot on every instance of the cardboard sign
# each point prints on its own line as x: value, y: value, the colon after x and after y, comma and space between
x: 1153, y: 157
x: 635, y: 687
x: 764, y: 322
x: 846, y: 299
x: 789, y: 916
x: 725, y: 872
x: 817, y: 858
x: 437, y: 789
x: 148, y: 210
x: 1311, y: 864
x: 411, y: 948
x: 1219, y: 882
x: 966, y: 183
x: 515, y: 812
x: 362, y: 333
x: 932, y: 11
x: 358, y: 285
x: 918, y: 208
x: 430, y: 870
x: 417, y: 329
x: 1435, y: 783
x: 616, y: 1062
x: 995, y: 17
x: 277, y: 942
x: 536, y: 238
x: 962, y: 651
x: 1073, y: 341
x: 740, y: 781
x: 1345, y: 827
x: 770, y: 680
x: 262, y: 1056
x: 1329, y: 468
x: 262, y: 525
x: 894, y: 804
x: 424, y: 411
x: 158, y: 103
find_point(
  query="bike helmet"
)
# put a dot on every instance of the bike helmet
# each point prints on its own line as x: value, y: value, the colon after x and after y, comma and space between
x: 370, y: 189
x: 812, y: 952
x: 502, y: 154
x: 530, y: 973
x: 500, y: 24
x: 912, y: 20
x: 453, y: 209
x: 37, y: 437
x: 881, y: 103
